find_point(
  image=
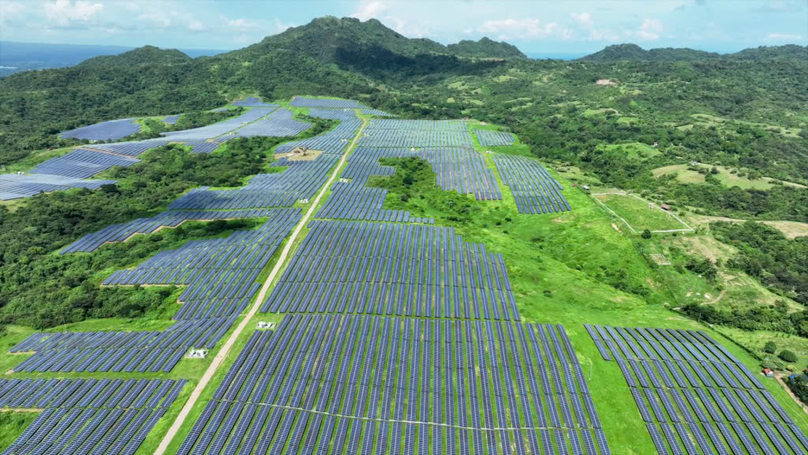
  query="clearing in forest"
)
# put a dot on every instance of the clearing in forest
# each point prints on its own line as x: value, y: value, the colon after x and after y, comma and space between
x: 640, y: 214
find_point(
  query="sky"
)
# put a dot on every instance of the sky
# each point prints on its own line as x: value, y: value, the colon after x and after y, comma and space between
x: 535, y: 26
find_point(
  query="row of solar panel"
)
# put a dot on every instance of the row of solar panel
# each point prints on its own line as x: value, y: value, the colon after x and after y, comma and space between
x: 533, y: 188
x: 457, y: 169
x: 171, y: 219
x: 105, y: 131
x: 90, y: 416
x: 393, y: 269
x: 217, y: 271
x: 388, y: 138
x: 119, y: 351
x: 277, y: 124
x: 416, y: 373
x: 86, y: 393
x: 718, y: 392
x: 302, y: 101
x: 252, y: 101
x: 489, y: 138
x: 354, y: 201
x: 15, y: 186
x: 81, y: 164
x: 300, y: 180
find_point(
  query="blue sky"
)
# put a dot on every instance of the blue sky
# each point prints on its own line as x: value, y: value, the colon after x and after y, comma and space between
x: 538, y: 26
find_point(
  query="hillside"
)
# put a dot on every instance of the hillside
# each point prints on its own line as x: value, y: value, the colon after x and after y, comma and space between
x: 146, y: 55
x: 486, y: 48
x: 620, y: 52
x: 633, y: 52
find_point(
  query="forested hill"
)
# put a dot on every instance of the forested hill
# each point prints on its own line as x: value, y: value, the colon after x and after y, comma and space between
x: 633, y: 52
x: 329, y: 38
x: 146, y: 55
x: 485, y: 47
x: 628, y: 51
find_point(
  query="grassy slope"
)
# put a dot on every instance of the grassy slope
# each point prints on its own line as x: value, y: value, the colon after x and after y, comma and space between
x: 637, y: 213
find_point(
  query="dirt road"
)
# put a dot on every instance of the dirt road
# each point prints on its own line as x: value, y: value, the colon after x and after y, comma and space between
x: 225, y: 350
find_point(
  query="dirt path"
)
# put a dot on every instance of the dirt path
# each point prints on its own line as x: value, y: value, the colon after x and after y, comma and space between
x: 225, y: 350
x: 779, y: 378
x: 717, y: 299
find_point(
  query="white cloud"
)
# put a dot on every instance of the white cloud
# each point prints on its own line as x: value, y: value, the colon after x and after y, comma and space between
x: 649, y: 30
x: 584, y: 19
x: 604, y: 35
x: 63, y: 13
x: 407, y: 28
x: 526, y: 28
x: 240, y: 24
x: 157, y: 18
x: 281, y: 27
x: 9, y: 11
x: 783, y: 37
x: 369, y: 9
x: 196, y: 26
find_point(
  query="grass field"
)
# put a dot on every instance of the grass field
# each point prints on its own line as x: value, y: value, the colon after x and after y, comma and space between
x: 633, y: 150
x: 725, y: 176
x: 638, y: 214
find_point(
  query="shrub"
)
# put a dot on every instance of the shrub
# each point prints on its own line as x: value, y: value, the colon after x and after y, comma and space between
x: 770, y: 347
x: 646, y: 234
x: 788, y: 356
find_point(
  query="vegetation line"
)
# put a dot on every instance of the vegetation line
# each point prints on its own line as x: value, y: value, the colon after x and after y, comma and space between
x: 224, y: 351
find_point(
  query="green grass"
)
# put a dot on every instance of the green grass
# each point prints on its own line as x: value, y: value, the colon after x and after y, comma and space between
x: 726, y: 176
x: 12, y: 424
x: 633, y: 150
x: 638, y: 214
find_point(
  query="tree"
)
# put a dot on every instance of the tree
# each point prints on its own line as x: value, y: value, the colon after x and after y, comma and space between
x: 770, y: 347
x: 646, y: 234
x: 788, y: 356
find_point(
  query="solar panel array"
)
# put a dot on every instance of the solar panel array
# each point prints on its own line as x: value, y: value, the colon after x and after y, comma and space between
x: 129, y: 352
x: 215, y: 130
x: 220, y: 279
x: 376, y: 112
x: 533, y: 188
x: 131, y: 149
x: 171, y: 119
x: 301, y: 101
x: 332, y: 142
x: 105, y: 131
x: 692, y: 392
x: 252, y: 102
x: 219, y: 274
x: 367, y: 384
x: 277, y: 124
x: 82, y: 416
x: 15, y: 186
x: 400, y: 269
x: 169, y: 219
x: 300, y: 180
x: 457, y: 169
x: 488, y: 138
x: 82, y: 163
x: 355, y: 201
x: 204, y: 146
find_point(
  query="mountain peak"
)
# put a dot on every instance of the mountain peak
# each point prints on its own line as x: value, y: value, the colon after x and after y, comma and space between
x: 141, y: 56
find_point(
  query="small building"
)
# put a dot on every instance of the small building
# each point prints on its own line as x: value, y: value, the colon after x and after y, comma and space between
x: 303, y: 201
x: 768, y: 373
x: 585, y: 187
x: 266, y: 326
x: 664, y: 207
x: 197, y: 354
x: 656, y: 144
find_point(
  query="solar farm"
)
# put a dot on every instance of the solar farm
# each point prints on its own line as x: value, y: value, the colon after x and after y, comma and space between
x: 105, y: 131
x: 695, y: 396
x: 389, y: 332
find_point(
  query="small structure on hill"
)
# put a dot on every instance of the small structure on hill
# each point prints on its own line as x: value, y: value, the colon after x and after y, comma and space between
x: 768, y: 373
x: 266, y: 325
x: 665, y: 207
